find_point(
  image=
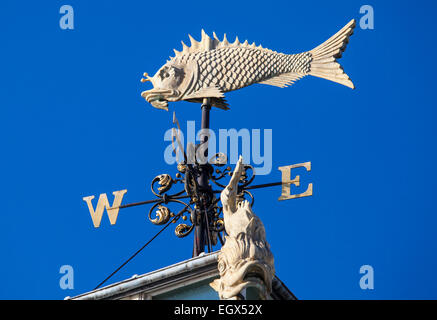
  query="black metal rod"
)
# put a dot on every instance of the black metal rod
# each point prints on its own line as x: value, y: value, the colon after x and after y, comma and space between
x: 207, y: 231
x: 137, y: 204
x: 220, y: 238
x: 184, y: 197
x: 199, y: 231
x: 257, y: 186
x: 147, y: 202
x: 265, y: 185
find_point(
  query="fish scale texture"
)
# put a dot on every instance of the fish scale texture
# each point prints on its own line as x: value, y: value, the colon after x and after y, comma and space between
x: 235, y: 68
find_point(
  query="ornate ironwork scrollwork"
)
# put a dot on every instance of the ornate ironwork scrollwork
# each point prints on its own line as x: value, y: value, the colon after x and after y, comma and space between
x: 183, y: 230
x: 162, y: 214
x: 187, y: 177
x: 219, y: 225
x: 162, y: 187
x: 246, y: 178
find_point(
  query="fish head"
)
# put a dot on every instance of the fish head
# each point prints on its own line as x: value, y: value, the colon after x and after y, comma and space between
x: 169, y: 84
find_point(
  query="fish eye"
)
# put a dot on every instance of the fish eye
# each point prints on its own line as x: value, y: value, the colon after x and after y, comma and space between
x: 164, y: 74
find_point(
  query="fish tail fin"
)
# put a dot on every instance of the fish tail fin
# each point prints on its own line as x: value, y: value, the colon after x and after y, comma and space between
x: 324, y: 57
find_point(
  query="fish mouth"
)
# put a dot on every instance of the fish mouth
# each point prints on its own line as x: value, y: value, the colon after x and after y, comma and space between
x: 159, y: 98
x: 254, y: 274
x: 257, y: 272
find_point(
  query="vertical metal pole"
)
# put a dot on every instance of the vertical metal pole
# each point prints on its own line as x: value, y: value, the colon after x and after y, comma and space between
x: 200, y: 234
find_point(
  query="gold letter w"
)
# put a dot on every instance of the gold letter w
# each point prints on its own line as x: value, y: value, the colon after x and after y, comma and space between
x: 103, y: 203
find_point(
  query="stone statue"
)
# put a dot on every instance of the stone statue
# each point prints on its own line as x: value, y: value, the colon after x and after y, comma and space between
x: 245, y: 259
x: 209, y: 68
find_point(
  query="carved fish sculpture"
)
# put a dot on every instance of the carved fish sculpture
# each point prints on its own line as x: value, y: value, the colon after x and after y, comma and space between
x: 209, y: 68
x: 245, y: 260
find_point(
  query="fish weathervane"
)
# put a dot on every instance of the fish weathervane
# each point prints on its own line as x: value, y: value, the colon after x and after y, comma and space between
x: 210, y: 68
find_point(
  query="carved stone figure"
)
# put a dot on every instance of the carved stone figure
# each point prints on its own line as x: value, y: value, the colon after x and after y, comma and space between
x: 245, y: 259
x: 209, y: 68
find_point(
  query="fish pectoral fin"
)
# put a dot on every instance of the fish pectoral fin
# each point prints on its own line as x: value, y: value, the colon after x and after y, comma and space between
x: 283, y: 80
x: 209, y: 92
x: 220, y: 103
x: 215, y: 102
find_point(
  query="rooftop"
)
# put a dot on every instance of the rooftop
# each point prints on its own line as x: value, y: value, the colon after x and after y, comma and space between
x: 186, y: 280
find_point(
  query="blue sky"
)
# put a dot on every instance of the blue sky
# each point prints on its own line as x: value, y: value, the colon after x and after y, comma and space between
x: 73, y: 124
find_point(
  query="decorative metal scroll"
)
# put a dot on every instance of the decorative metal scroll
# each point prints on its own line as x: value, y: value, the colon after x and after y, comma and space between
x: 183, y: 190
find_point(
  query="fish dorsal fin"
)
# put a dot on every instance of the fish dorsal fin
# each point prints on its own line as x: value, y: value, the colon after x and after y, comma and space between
x: 207, y: 44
